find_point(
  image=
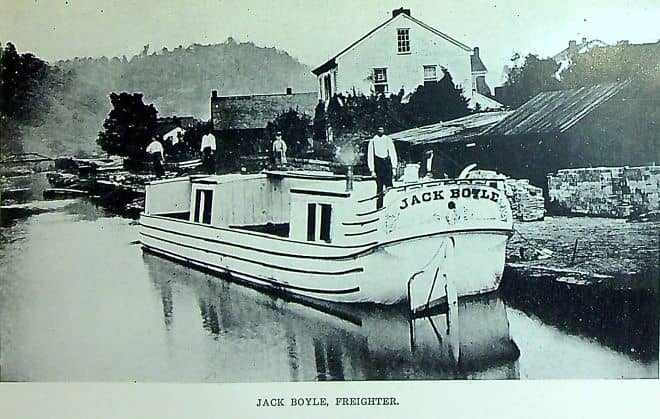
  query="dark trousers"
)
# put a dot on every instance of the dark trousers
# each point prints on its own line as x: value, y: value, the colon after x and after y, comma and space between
x: 208, y: 159
x: 383, y: 169
x: 157, y: 160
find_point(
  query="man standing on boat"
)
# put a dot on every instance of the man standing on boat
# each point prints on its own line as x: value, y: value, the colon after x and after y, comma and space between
x: 208, y: 153
x: 279, y: 149
x: 155, y: 150
x: 382, y: 161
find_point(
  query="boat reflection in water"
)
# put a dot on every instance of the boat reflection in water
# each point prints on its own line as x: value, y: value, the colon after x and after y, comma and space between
x: 262, y: 337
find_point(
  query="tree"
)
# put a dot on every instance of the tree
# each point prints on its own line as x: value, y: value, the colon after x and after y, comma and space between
x: 295, y: 129
x: 615, y: 63
x: 437, y: 101
x: 129, y: 127
x: 192, y: 138
x: 526, y: 80
x: 24, y: 82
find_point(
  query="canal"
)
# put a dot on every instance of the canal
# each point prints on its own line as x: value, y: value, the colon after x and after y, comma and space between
x: 80, y: 301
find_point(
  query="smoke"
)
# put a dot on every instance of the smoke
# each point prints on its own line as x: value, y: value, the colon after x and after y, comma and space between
x: 347, y: 154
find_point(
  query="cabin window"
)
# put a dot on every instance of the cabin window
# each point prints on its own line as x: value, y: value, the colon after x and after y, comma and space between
x: 203, y: 205
x: 311, y: 222
x: 318, y: 222
x: 403, y: 40
x: 380, y: 80
x: 326, y: 213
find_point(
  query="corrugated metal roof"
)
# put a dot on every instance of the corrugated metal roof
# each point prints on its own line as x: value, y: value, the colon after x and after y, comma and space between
x: 255, y: 111
x: 447, y: 131
x: 555, y: 112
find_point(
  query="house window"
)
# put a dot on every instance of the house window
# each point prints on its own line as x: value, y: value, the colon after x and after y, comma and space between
x: 328, y: 88
x: 203, y: 205
x: 380, y: 80
x: 403, y: 40
x: 430, y: 73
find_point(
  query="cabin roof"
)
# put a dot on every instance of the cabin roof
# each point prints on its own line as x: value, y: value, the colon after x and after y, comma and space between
x: 222, y: 179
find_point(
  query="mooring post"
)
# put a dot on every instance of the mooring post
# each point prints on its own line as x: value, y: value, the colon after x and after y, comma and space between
x: 574, y: 252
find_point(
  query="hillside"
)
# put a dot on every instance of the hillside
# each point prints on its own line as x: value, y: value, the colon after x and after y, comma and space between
x: 177, y: 82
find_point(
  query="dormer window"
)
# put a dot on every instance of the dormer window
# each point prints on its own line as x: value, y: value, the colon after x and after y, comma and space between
x: 403, y: 40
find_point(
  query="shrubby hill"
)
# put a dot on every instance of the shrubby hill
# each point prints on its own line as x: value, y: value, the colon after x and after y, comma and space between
x: 74, y: 97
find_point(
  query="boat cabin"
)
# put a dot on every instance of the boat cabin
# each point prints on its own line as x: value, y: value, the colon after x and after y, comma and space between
x: 303, y: 206
x: 316, y: 207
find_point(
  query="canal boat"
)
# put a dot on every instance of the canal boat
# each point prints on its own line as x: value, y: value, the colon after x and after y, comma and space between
x: 320, y: 236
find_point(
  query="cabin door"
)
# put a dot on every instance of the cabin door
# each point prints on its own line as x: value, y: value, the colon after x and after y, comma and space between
x: 203, y: 206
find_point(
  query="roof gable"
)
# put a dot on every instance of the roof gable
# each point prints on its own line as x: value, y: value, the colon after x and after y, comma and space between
x: 330, y: 63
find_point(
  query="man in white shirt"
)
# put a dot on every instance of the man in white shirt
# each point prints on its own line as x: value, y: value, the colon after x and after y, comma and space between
x: 279, y: 149
x: 155, y: 151
x: 208, y: 153
x: 382, y: 161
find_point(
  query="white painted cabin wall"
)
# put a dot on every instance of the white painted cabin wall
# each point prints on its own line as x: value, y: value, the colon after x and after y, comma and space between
x: 168, y: 197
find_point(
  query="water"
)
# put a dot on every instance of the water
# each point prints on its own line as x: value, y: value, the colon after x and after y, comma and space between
x: 79, y: 301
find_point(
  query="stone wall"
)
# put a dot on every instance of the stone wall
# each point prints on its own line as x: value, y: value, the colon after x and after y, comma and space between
x: 605, y: 191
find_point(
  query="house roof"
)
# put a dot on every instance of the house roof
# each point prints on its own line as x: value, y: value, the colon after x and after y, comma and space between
x: 330, y: 63
x: 484, y: 102
x: 555, y: 111
x: 548, y: 112
x: 182, y: 121
x: 448, y: 131
x: 256, y: 111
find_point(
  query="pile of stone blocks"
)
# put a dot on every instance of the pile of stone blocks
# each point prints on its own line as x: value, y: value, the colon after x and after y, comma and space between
x: 606, y: 191
x: 527, y: 201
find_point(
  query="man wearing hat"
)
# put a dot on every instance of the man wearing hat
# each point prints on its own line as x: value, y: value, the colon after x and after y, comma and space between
x: 279, y: 149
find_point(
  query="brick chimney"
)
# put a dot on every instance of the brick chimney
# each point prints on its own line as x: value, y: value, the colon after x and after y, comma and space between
x: 400, y: 10
x: 289, y: 91
x: 214, y: 94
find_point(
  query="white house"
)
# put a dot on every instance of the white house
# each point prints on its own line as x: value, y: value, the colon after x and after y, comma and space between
x: 174, y: 136
x: 403, y: 53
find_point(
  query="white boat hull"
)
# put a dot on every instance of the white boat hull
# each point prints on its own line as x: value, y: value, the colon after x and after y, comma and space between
x: 369, y: 273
